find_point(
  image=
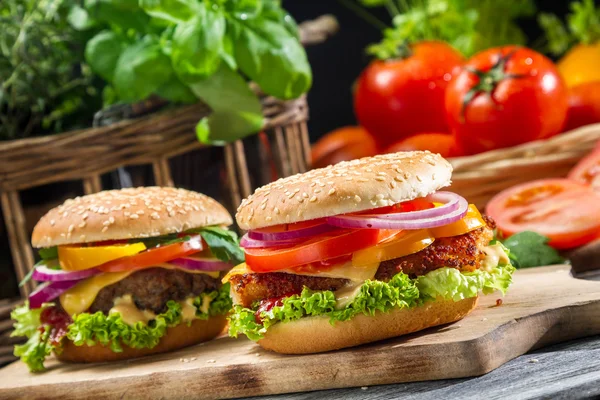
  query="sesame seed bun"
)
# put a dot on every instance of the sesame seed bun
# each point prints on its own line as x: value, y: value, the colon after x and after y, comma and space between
x: 176, y: 337
x: 127, y: 213
x: 346, y: 187
x: 290, y: 337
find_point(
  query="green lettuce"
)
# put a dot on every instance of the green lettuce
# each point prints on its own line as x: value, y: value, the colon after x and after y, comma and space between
x: 399, y: 292
x: 108, y: 330
x: 38, y: 346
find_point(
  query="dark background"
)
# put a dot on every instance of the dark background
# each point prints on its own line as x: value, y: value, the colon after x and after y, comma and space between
x: 336, y: 64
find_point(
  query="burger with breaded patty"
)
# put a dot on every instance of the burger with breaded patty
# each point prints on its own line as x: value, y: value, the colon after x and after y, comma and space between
x: 358, y: 252
x: 127, y: 273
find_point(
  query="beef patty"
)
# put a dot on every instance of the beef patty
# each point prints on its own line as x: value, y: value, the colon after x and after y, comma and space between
x: 463, y: 252
x: 152, y: 288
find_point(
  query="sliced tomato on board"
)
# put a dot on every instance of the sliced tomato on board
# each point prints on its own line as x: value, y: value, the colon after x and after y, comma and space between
x: 155, y: 256
x: 587, y: 171
x: 567, y: 212
x: 321, y: 247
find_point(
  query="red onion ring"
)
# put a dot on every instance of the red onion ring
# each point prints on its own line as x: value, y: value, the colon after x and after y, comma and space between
x: 289, y: 235
x: 43, y: 273
x: 48, y: 291
x: 201, y: 264
x: 377, y: 222
x: 451, y: 204
x: 248, y: 243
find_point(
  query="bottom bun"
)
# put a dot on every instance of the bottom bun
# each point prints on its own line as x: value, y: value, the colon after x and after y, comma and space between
x: 177, y: 337
x: 289, y: 337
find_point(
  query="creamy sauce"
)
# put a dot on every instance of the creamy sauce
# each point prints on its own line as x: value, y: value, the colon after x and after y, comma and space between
x: 188, y: 310
x: 494, y: 256
x: 206, y: 300
x: 346, y: 295
x: 130, y: 314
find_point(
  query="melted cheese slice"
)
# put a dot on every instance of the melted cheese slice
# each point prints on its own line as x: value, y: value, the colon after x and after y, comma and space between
x: 345, y: 271
x: 81, y: 296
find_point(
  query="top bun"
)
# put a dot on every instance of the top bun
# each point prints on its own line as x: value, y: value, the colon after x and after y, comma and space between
x: 347, y: 187
x: 127, y: 213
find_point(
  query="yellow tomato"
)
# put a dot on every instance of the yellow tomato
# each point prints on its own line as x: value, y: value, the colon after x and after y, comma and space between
x: 73, y: 258
x: 581, y: 64
x: 470, y: 222
x: 400, y: 245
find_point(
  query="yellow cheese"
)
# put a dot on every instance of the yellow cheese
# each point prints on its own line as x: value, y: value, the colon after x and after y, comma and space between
x: 81, y: 296
x: 345, y: 271
x: 346, y: 295
x: 130, y: 314
x: 494, y: 256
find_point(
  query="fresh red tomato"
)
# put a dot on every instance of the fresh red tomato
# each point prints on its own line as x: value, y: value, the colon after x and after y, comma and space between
x: 567, y: 212
x: 343, y: 144
x: 587, y: 171
x: 441, y: 143
x: 154, y: 256
x: 584, y: 105
x: 504, y: 97
x: 322, y: 247
x: 400, y: 97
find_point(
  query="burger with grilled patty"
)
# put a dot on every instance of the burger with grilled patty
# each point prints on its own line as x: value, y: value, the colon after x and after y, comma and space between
x: 361, y: 251
x: 126, y: 273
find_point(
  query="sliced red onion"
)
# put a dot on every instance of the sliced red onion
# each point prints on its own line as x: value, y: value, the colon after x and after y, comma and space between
x: 289, y: 235
x: 43, y: 273
x: 379, y: 222
x: 48, y: 291
x: 201, y: 264
x: 248, y: 243
x: 449, y: 199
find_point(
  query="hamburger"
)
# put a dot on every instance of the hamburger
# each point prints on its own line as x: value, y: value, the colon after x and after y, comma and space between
x: 127, y: 273
x: 358, y: 252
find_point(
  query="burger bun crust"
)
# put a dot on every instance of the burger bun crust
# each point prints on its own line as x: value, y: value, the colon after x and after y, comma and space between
x: 127, y: 214
x: 176, y: 337
x: 291, y: 337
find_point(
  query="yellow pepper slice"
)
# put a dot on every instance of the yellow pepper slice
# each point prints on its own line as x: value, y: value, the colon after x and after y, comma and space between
x: 470, y: 222
x: 400, y: 245
x: 73, y: 258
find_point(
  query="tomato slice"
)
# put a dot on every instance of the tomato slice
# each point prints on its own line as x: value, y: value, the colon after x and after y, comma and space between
x: 291, y: 227
x: 405, y: 206
x: 399, y: 245
x: 73, y: 258
x: 587, y: 171
x: 470, y: 222
x: 322, y: 247
x: 565, y: 211
x: 154, y: 256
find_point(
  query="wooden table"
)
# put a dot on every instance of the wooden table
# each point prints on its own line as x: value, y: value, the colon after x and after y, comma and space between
x: 569, y: 370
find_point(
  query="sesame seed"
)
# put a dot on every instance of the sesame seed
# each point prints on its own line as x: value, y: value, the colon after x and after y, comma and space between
x: 140, y: 212
x: 380, y: 196
x: 392, y: 184
x: 380, y: 178
x: 381, y: 174
x: 312, y: 184
x: 399, y: 178
x: 71, y: 227
x: 52, y: 222
x: 82, y: 225
x: 305, y: 195
x: 313, y: 199
x: 263, y: 206
x: 331, y: 191
x: 317, y: 191
x: 419, y: 178
x: 321, y: 184
x: 111, y: 220
x: 290, y: 195
x: 349, y: 178
x: 363, y: 180
x: 299, y: 199
x: 296, y: 190
x: 106, y: 223
x: 433, y: 176
x: 104, y: 229
x: 134, y: 216
x: 268, y: 218
x: 368, y: 170
x: 65, y: 214
x: 357, y: 199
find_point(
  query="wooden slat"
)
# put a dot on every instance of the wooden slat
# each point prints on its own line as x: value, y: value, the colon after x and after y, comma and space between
x: 232, y: 180
x: 242, y: 168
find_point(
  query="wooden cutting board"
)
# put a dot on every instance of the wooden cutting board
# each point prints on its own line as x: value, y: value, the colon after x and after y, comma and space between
x: 544, y: 306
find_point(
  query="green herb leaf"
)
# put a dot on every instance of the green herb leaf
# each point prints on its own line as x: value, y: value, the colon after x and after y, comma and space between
x: 272, y: 57
x: 197, y: 45
x: 272, y: 11
x: 556, y: 33
x: 237, y: 112
x: 80, y: 19
x: 141, y: 69
x: 530, y: 249
x: 223, y: 243
x: 102, y: 53
x: 171, y: 10
x: 121, y: 14
x: 176, y: 91
x: 49, y: 253
x: 244, y: 9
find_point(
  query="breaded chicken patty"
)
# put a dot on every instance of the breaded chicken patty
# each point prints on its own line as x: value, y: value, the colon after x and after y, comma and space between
x: 463, y: 252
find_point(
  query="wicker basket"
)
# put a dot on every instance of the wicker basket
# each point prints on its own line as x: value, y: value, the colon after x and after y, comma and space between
x: 478, y: 178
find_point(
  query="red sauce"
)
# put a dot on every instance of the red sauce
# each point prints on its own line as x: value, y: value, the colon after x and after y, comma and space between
x: 58, y: 321
x: 268, y: 304
x: 322, y: 265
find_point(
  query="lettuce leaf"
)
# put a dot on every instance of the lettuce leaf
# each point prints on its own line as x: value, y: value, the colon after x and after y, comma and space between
x: 108, y: 330
x: 400, y: 291
x: 373, y: 296
x: 37, y: 347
